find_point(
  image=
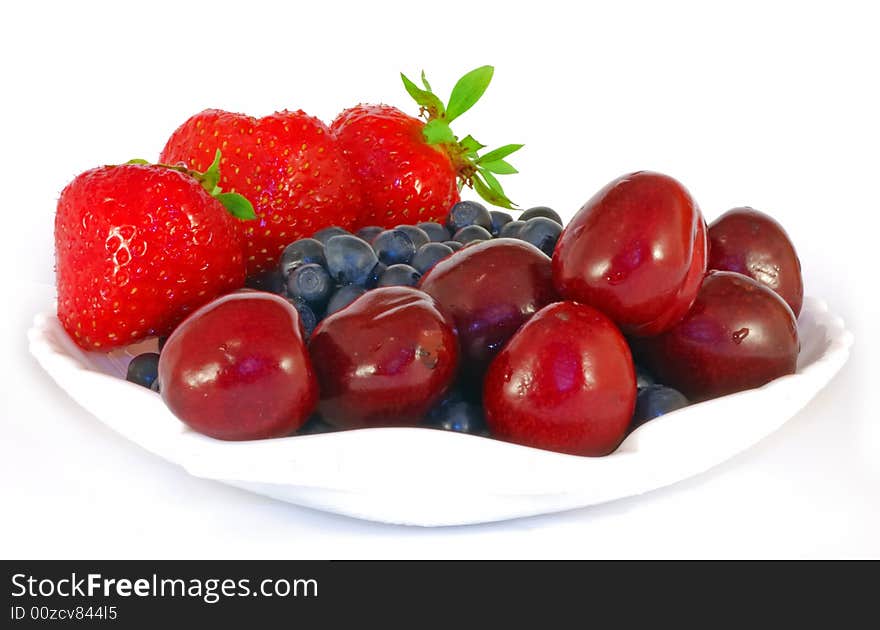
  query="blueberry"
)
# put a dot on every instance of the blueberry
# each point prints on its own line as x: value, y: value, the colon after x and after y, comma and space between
x: 436, y: 232
x: 270, y: 281
x: 542, y: 233
x: 471, y: 233
x: 466, y: 213
x: 315, y: 425
x: 454, y: 395
x: 453, y: 245
x: 143, y: 369
x: 307, y: 318
x: 394, y: 247
x: 343, y: 297
x: 643, y: 377
x: 155, y: 386
x: 302, y: 252
x: 375, y: 274
x: 460, y: 416
x: 349, y: 259
x: 399, y: 276
x: 429, y: 255
x: 541, y: 211
x: 327, y: 233
x: 511, y: 230
x: 369, y: 232
x: 499, y: 220
x: 312, y: 284
x: 654, y: 401
x: 419, y: 236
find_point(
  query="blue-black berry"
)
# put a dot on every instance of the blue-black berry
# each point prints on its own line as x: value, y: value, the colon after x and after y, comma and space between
x: 460, y: 416
x: 343, y: 297
x: 399, y: 276
x: 466, y: 213
x: 499, y: 220
x: 541, y: 211
x: 654, y: 401
x: 375, y: 274
x: 394, y: 247
x: 418, y: 236
x: 315, y: 425
x: 349, y: 259
x: 327, y: 233
x: 301, y: 252
x: 429, y: 255
x: 472, y: 233
x: 436, y: 232
x: 143, y: 369
x: 542, y: 233
x: 511, y: 230
x: 453, y: 245
x: 312, y: 284
x: 307, y: 317
x: 369, y: 232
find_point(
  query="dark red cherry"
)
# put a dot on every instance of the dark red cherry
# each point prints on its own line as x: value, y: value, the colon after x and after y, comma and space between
x: 384, y: 360
x: 564, y: 382
x: 738, y: 335
x: 636, y: 251
x: 238, y: 369
x: 754, y: 244
x: 490, y: 289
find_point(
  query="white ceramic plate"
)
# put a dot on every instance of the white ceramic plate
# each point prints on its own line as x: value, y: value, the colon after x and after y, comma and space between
x: 430, y: 477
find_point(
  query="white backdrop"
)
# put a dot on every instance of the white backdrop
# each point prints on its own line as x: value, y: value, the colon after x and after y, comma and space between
x: 770, y: 105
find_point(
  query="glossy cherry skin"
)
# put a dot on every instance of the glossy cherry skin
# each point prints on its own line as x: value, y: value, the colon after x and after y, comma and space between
x: 238, y: 369
x: 636, y: 251
x: 564, y: 382
x: 384, y: 360
x: 738, y: 335
x: 756, y: 245
x: 490, y: 289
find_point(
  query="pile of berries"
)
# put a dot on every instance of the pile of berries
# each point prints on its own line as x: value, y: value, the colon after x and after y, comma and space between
x: 303, y: 277
x: 460, y: 326
x: 329, y: 270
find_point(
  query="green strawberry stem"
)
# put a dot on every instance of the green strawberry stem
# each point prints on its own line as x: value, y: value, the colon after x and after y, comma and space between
x: 237, y: 205
x: 474, y: 170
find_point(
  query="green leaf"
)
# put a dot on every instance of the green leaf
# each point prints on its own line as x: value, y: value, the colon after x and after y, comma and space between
x: 425, y: 82
x: 237, y: 205
x: 500, y: 153
x: 499, y: 166
x: 426, y: 99
x: 489, y: 195
x: 471, y: 145
x: 137, y: 161
x: 211, y: 177
x: 438, y: 132
x: 491, y: 180
x: 489, y: 189
x: 468, y: 91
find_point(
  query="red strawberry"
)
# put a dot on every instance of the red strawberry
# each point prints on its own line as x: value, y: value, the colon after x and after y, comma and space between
x: 288, y: 164
x: 138, y: 246
x: 411, y: 171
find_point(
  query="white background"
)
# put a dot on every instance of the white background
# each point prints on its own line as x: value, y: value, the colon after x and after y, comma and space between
x: 775, y: 105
